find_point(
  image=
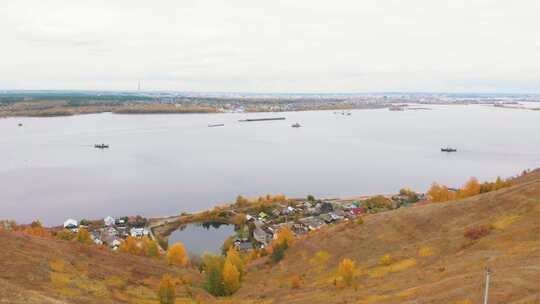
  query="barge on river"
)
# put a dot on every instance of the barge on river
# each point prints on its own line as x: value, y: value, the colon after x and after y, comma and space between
x: 262, y: 119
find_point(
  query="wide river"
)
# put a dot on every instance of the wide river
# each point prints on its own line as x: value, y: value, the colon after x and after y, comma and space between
x: 166, y: 164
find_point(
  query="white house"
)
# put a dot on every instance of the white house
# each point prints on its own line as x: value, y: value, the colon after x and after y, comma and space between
x: 71, y: 224
x: 109, y: 221
x: 138, y: 232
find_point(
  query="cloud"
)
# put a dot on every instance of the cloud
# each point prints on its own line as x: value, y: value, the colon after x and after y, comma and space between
x: 296, y: 46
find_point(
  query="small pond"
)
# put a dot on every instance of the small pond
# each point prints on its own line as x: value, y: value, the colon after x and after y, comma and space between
x: 200, y: 238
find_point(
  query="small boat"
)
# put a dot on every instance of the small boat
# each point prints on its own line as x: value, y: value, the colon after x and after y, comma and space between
x: 101, y: 146
x: 215, y: 125
x: 448, y: 149
x: 296, y: 125
x: 262, y: 119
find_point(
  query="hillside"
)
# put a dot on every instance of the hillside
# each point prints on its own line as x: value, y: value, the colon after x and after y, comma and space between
x: 45, y: 270
x: 431, y: 261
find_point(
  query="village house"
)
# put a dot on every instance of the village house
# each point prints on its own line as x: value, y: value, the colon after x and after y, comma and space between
x: 109, y: 221
x: 138, y: 232
x: 71, y: 224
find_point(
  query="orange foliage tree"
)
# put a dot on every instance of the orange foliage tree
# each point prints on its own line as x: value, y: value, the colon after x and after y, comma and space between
x: 471, y: 188
x: 176, y: 255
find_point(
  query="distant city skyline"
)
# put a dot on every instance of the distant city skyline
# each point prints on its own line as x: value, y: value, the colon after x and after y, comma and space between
x: 241, y: 46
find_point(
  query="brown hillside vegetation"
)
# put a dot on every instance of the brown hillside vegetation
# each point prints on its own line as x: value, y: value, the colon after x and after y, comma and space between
x: 434, y: 253
x: 45, y: 270
x: 419, y: 255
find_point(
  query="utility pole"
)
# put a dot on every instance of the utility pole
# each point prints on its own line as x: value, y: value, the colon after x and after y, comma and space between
x: 486, y: 291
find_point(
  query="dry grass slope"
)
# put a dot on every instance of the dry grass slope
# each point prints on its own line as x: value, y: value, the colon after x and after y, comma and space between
x: 432, y: 261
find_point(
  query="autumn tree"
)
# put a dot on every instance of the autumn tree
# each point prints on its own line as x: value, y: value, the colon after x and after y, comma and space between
x: 65, y: 234
x: 500, y: 183
x: 36, y: 228
x: 285, y: 235
x: 438, y: 193
x: 131, y: 245
x: 241, y: 201
x: 231, y: 277
x: 151, y: 248
x: 167, y: 292
x: 83, y: 237
x: 176, y: 255
x: 378, y: 201
x: 234, y: 257
x: 471, y: 188
x: 213, y: 269
x: 346, y: 271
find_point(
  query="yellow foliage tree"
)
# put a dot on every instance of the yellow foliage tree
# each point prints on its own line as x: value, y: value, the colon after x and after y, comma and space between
x: 471, y: 188
x: 83, y: 237
x: 438, y: 193
x: 346, y: 271
x: 151, y: 248
x: 231, y: 277
x: 285, y: 235
x: 167, y: 290
x: 234, y: 257
x: 176, y: 255
x: 36, y: 228
x: 132, y: 245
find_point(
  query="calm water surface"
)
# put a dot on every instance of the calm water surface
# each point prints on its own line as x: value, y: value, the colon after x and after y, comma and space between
x: 166, y: 164
x: 199, y: 239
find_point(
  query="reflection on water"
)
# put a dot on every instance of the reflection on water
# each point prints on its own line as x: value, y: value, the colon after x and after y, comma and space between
x: 167, y: 164
x: 200, y: 238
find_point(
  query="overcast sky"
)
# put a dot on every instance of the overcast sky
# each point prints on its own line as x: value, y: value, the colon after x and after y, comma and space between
x: 271, y: 46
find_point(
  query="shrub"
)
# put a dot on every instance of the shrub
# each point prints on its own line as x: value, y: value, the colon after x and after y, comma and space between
x: 425, y: 251
x: 296, y: 281
x: 176, y: 255
x: 476, y: 233
x: 386, y: 259
x: 167, y: 292
x: 320, y: 259
x: 65, y: 234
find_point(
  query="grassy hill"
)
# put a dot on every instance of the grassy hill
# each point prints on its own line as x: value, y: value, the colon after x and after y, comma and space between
x: 432, y: 261
x: 428, y: 260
